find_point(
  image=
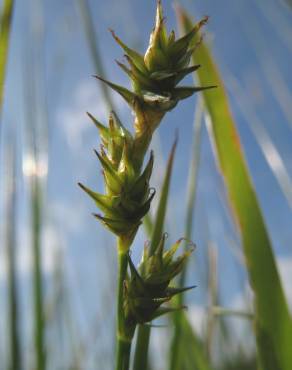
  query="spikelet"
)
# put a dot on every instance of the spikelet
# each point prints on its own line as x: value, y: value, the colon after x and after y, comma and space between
x: 147, y: 289
x: 128, y: 195
x: 154, y: 78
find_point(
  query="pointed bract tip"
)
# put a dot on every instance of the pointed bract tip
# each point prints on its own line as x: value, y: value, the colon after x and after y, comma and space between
x: 81, y: 186
x: 159, y: 11
x: 113, y: 33
x: 176, y: 137
x: 210, y: 87
x: 98, y: 77
x: 205, y: 19
x: 98, y: 216
x: 189, y: 241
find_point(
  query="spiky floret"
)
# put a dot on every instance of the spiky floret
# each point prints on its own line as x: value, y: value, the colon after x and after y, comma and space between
x: 155, y: 77
x: 128, y: 195
x: 147, y: 289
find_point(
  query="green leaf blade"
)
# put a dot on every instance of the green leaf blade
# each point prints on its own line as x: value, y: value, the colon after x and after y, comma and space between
x: 141, y: 353
x: 5, y: 27
x: 161, y: 211
x: 273, y: 321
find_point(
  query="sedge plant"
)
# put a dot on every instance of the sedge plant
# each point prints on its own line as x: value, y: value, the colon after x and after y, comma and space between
x: 141, y: 291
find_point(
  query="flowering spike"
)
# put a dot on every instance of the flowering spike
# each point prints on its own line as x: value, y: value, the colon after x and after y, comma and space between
x: 149, y: 289
x: 127, y: 199
x: 155, y: 78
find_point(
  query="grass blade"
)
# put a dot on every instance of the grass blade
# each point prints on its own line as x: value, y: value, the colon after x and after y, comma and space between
x: 222, y: 311
x: 270, y: 152
x: 161, y: 211
x: 37, y: 273
x: 34, y: 170
x: 15, y: 352
x: 192, y: 356
x: 141, y: 352
x: 5, y: 25
x: 91, y: 37
x: 178, y: 349
x: 192, y: 181
x: 213, y: 295
x: 148, y: 224
x: 273, y: 322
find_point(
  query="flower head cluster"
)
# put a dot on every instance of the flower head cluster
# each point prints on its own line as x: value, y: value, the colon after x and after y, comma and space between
x: 147, y: 289
x: 154, y: 78
x: 128, y: 195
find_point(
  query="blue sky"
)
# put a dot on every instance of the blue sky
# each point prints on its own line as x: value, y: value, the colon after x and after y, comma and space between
x: 50, y: 66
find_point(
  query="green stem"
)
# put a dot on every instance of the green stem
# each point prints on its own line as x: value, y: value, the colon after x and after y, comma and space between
x: 124, y: 333
x: 37, y: 277
x: 13, y: 308
x: 123, y: 354
x: 141, y: 353
x: 175, y: 344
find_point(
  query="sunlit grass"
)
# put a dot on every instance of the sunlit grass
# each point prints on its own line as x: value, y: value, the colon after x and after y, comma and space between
x: 57, y: 321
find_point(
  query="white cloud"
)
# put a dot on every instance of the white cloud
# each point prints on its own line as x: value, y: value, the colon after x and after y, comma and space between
x: 73, y: 119
x: 197, y: 315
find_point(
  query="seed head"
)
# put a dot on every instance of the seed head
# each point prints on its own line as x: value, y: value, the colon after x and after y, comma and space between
x: 147, y: 289
x: 128, y: 195
x: 155, y: 77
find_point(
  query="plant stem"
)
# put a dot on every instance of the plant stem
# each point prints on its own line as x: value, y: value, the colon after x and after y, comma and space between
x: 37, y: 277
x: 123, y: 354
x: 13, y: 308
x: 141, y: 353
x: 124, y: 335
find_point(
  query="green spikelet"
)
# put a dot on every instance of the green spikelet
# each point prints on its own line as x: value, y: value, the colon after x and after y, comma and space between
x: 128, y: 195
x: 148, y: 289
x: 155, y: 77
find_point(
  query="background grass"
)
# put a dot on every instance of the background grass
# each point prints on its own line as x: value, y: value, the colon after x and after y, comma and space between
x: 55, y: 255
